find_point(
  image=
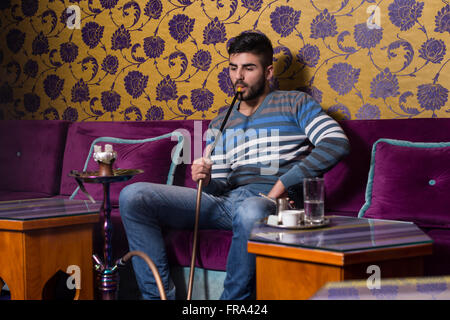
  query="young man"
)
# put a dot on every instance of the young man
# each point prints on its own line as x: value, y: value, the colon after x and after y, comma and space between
x: 266, y: 147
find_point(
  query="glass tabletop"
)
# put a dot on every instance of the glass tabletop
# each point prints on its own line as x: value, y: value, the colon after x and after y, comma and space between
x: 30, y: 209
x: 345, y: 234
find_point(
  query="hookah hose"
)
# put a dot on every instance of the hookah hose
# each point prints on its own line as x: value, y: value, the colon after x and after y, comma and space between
x: 199, y: 198
x: 150, y: 263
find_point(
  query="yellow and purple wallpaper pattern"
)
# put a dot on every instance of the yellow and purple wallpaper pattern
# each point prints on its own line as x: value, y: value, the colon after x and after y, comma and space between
x: 112, y: 60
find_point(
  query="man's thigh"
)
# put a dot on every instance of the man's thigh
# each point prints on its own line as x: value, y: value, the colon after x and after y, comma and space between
x: 175, y: 207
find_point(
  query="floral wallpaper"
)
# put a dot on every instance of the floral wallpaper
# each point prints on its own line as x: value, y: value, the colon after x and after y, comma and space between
x: 113, y: 60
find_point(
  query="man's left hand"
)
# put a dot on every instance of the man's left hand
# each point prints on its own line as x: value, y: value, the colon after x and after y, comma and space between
x: 278, y: 191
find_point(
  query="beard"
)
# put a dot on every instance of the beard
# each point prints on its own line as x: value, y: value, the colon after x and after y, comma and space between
x: 253, y: 91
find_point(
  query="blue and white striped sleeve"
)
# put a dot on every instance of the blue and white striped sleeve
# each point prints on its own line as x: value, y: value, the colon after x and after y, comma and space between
x: 329, y: 140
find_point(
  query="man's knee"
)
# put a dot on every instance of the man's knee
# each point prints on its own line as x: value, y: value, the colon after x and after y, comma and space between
x: 131, y: 192
x: 132, y: 197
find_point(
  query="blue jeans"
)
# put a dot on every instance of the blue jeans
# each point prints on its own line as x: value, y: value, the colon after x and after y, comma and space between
x: 146, y: 208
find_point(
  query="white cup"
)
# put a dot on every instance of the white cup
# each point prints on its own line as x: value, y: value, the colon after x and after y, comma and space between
x: 291, y: 218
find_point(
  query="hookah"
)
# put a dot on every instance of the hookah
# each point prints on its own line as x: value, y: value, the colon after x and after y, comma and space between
x: 107, y: 271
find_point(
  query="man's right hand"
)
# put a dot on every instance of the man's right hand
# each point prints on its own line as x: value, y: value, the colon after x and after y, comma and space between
x: 201, y: 169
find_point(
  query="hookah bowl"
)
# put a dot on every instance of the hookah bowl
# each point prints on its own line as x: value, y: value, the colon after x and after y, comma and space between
x: 105, y: 160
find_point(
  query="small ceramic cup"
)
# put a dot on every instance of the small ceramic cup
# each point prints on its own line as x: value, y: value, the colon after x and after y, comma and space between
x: 292, y: 218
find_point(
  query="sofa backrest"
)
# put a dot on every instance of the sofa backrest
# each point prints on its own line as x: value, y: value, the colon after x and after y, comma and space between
x: 36, y: 157
x: 31, y: 154
x: 346, y: 183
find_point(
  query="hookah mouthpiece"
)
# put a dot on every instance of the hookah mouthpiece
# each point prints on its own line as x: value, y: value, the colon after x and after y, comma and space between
x: 238, y: 92
x: 222, y: 126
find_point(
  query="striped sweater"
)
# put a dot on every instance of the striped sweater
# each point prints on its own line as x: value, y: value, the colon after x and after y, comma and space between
x: 289, y: 137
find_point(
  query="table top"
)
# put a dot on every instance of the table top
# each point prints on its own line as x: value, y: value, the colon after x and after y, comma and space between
x: 345, y: 234
x: 32, y: 209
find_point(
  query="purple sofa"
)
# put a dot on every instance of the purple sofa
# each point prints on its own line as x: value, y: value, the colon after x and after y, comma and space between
x: 37, y: 156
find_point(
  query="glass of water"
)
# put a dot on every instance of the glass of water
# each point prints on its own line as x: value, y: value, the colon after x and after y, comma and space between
x: 313, y: 197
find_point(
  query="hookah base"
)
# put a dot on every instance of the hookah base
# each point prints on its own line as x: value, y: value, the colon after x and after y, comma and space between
x: 108, y: 283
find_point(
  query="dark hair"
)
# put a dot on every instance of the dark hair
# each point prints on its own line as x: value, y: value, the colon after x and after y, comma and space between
x: 253, y: 42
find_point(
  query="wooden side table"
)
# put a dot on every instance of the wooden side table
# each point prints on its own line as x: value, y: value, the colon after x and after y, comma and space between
x: 295, y: 264
x: 40, y: 237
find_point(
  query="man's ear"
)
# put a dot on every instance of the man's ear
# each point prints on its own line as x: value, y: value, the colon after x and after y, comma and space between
x: 269, y: 72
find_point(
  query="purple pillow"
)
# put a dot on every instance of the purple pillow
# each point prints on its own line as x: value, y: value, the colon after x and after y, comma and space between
x: 409, y: 181
x: 154, y: 158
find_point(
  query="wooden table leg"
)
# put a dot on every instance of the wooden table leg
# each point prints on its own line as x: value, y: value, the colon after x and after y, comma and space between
x: 12, y: 262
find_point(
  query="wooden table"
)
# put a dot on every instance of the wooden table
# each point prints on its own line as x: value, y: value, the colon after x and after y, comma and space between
x: 295, y: 264
x: 43, y: 237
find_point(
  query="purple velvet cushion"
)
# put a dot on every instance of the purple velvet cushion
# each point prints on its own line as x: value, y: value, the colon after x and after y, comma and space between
x: 152, y: 157
x: 345, y: 184
x: 31, y: 153
x: 410, y: 182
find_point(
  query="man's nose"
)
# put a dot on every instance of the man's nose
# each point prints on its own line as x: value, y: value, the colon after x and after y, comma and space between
x: 240, y: 74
